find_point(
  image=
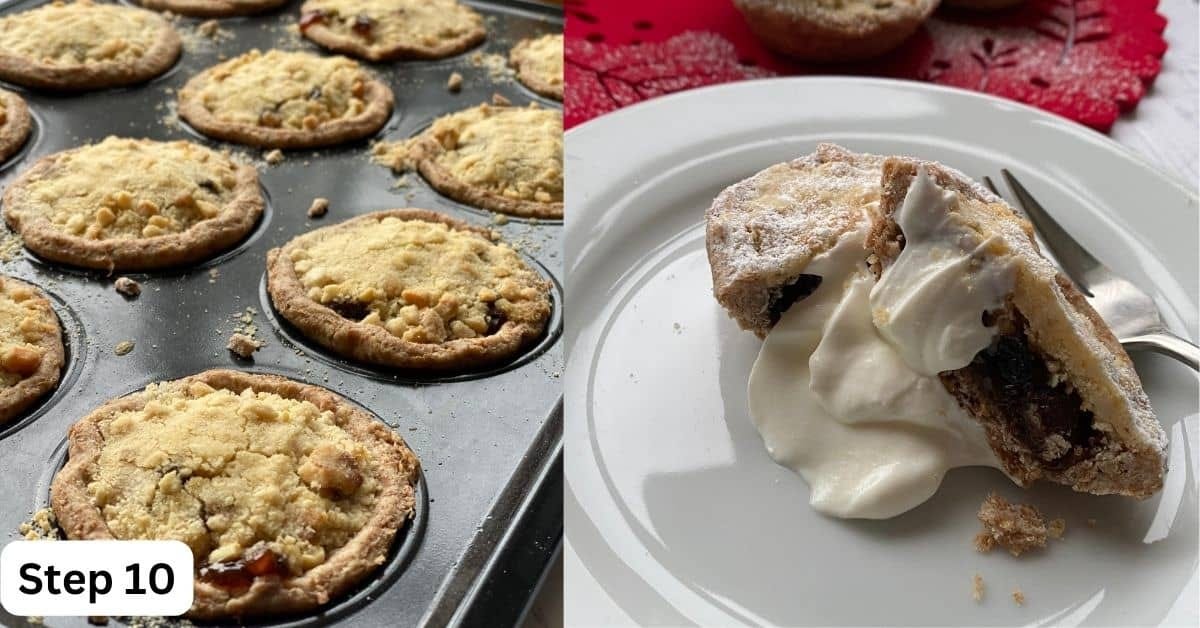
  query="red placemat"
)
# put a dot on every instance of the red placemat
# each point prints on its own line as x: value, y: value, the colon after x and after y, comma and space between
x: 1088, y: 60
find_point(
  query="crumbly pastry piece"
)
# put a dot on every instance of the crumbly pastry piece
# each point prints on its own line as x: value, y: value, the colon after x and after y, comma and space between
x: 1017, y: 528
x: 1055, y: 391
x: 409, y: 288
x: 85, y: 45
x: 834, y: 30
x: 242, y: 345
x: 129, y: 204
x: 280, y: 99
x: 539, y: 64
x: 15, y: 123
x: 383, y: 30
x: 31, y: 347
x: 506, y: 159
x: 213, y: 8
x: 762, y: 232
x: 286, y: 494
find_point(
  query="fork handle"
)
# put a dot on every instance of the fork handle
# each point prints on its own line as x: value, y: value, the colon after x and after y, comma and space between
x: 1167, y: 344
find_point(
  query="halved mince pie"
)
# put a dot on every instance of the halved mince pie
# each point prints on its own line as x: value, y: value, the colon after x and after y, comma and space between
x: 287, y: 494
x: 130, y: 204
x: 409, y: 288
x: 1056, y: 393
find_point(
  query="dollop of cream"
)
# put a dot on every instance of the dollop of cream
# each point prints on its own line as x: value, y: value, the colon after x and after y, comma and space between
x: 929, y: 303
x: 851, y: 400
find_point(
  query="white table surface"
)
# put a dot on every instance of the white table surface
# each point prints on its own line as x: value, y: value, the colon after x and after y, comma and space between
x: 1164, y: 129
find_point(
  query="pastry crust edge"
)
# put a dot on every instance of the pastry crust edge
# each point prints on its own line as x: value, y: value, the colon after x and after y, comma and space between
x: 16, y: 130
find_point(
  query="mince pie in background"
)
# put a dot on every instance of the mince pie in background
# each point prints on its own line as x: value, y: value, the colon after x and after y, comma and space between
x: 280, y: 99
x: 832, y: 32
x: 386, y: 30
x: 31, y: 347
x: 84, y: 45
x: 409, y: 288
x: 133, y: 204
x: 287, y: 494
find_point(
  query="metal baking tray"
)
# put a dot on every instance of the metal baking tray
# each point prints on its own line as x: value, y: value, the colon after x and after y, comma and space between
x: 489, y: 514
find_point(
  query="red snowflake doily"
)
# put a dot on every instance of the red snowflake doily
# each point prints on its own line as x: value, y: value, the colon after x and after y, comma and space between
x: 1087, y: 60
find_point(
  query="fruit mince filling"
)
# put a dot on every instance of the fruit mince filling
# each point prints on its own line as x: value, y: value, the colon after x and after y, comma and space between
x: 788, y: 294
x: 1036, y: 405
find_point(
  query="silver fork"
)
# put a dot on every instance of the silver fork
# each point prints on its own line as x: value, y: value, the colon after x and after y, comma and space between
x: 1129, y: 312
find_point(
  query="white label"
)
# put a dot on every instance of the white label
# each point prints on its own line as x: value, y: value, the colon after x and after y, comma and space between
x: 65, y: 578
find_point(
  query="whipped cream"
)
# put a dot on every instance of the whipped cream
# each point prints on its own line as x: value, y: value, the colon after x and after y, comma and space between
x: 930, y: 301
x: 845, y: 389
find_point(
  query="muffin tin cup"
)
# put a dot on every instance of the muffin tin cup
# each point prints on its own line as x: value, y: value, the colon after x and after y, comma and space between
x: 488, y: 441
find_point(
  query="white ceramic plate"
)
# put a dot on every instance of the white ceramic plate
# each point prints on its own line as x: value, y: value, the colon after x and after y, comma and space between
x: 675, y: 510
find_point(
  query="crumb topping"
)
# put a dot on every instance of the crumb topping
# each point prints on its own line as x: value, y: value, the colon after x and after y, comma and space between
x: 234, y: 476
x: 127, y: 189
x: 24, y: 321
x: 541, y: 58
x: 421, y: 281
x: 278, y: 89
x: 384, y: 23
x: 514, y: 152
x: 80, y: 33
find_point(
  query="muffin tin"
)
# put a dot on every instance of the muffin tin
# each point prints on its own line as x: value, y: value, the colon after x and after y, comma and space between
x: 489, y: 512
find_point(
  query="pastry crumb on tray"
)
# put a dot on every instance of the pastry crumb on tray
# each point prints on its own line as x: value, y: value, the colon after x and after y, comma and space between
x: 127, y: 286
x: 242, y: 345
x: 318, y: 208
x: 977, y: 587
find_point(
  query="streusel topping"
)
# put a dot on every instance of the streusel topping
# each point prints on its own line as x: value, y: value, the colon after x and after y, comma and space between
x: 421, y: 281
x: 515, y: 152
x: 80, y: 33
x: 234, y: 476
x: 383, y: 23
x: 541, y: 59
x: 278, y: 89
x: 24, y: 321
x: 125, y: 188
